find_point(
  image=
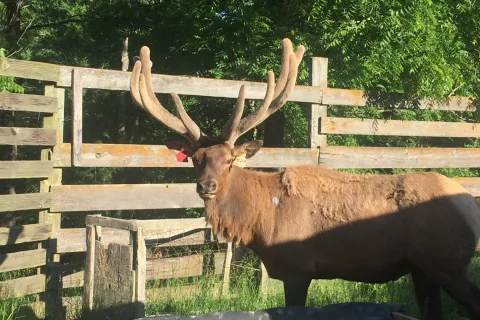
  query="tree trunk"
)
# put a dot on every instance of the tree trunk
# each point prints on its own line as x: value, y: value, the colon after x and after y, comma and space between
x: 274, y: 130
x: 13, y: 30
x: 121, y: 115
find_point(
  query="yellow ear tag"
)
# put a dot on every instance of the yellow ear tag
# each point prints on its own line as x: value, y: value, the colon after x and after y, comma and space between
x: 240, y: 161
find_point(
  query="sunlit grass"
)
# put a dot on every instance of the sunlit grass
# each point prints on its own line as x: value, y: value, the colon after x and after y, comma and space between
x: 244, y: 295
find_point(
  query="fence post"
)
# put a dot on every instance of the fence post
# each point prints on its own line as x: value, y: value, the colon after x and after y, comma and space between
x: 89, y: 268
x: 318, y: 78
x: 140, y: 272
x: 226, y: 269
x: 77, y: 123
x: 53, y: 298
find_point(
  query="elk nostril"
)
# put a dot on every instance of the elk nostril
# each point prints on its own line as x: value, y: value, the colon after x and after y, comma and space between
x: 212, y: 186
x: 207, y: 186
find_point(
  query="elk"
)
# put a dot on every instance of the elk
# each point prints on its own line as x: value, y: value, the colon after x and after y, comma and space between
x: 308, y: 222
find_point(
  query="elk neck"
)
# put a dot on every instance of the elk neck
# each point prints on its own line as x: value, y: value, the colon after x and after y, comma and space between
x: 244, y: 212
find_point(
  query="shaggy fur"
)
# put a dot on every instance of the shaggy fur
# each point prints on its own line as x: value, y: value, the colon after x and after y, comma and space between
x: 310, y: 223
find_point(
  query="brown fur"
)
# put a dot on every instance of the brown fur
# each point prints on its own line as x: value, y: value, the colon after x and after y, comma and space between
x: 309, y: 223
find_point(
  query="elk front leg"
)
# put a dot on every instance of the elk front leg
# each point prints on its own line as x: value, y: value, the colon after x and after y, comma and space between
x: 296, y: 290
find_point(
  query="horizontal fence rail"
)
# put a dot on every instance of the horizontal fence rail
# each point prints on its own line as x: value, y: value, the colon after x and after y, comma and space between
x: 399, y: 127
x: 25, y: 201
x: 124, y: 155
x: 27, y: 136
x: 23, y: 260
x: 25, y: 169
x: 69, y: 198
x: 339, y: 157
x: 27, y: 102
x: 164, y: 233
x: 208, y: 87
x: 25, y: 233
x: 336, y: 157
x: 22, y: 286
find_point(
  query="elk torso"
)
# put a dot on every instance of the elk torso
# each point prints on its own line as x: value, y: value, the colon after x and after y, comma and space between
x: 359, y: 227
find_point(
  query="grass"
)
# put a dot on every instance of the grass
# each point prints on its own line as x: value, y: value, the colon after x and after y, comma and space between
x: 165, y: 297
x: 246, y: 297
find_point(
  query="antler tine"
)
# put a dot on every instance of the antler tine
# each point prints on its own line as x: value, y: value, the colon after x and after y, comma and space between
x: 142, y: 93
x: 192, y: 127
x: 275, y: 97
x: 280, y: 100
x: 134, y: 91
x: 229, y: 128
x: 285, y: 67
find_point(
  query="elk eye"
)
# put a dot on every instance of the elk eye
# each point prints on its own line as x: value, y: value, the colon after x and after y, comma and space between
x: 229, y: 161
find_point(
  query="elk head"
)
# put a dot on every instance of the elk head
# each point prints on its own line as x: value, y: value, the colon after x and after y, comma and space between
x: 213, y: 157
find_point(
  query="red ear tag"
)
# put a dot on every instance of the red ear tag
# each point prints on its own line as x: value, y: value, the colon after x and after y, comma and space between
x: 181, y: 157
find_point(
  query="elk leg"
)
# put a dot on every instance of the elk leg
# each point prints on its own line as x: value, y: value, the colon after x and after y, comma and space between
x: 427, y: 294
x: 463, y: 291
x: 296, y: 292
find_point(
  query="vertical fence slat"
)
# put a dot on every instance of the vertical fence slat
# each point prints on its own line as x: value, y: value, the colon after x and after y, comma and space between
x: 77, y: 101
x: 226, y: 269
x: 141, y: 271
x: 318, y: 78
x: 53, y: 301
x: 89, y: 269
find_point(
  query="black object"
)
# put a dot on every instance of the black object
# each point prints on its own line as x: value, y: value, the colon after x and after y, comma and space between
x: 341, y: 311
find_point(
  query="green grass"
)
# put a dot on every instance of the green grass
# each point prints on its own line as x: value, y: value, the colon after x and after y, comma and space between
x: 245, y: 296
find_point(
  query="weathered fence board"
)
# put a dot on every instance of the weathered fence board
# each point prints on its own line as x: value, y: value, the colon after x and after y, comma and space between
x: 27, y: 102
x: 187, y: 85
x: 331, y: 156
x: 471, y: 184
x: 124, y: 155
x: 124, y: 197
x: 179, y: 267
x: 340, y: 157
x: 22, y: 260
x: 27, y: 136
x: 184, y: 85
x: 349, y: 97
x: 25, y: 233
x: 73, y: 239
x: 161, y: 268
x: 171, y: 225
x: 148, y: 196
x: 399, y: 127
x: 77, y: 117
x: 25, y: 169
x: 181, y: 292
x: 73, y: 280
x: 25, y: 201
x: 29, y: 69
x: 22, y: 286
x: 108, y: 222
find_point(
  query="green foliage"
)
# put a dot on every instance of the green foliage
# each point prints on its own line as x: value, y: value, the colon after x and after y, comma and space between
x: 7, y: 84
x: 425, y: 48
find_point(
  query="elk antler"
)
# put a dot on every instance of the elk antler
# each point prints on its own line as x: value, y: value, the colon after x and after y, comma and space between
x: 275, y: 97
x: 142, y: 93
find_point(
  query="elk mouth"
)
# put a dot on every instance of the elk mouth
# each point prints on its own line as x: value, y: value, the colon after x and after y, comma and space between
x: 206, y: 196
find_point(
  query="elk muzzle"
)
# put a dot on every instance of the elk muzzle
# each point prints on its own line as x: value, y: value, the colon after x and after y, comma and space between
x: 206, y: 188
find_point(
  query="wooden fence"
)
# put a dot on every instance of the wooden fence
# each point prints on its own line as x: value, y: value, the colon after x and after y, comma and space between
x: 55, y: 199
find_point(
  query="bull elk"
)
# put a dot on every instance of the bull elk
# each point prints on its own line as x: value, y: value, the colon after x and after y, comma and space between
x: 310, y: 223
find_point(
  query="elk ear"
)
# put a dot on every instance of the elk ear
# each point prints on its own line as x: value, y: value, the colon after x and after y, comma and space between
x: 248, y: 148
x: 179, y: 143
